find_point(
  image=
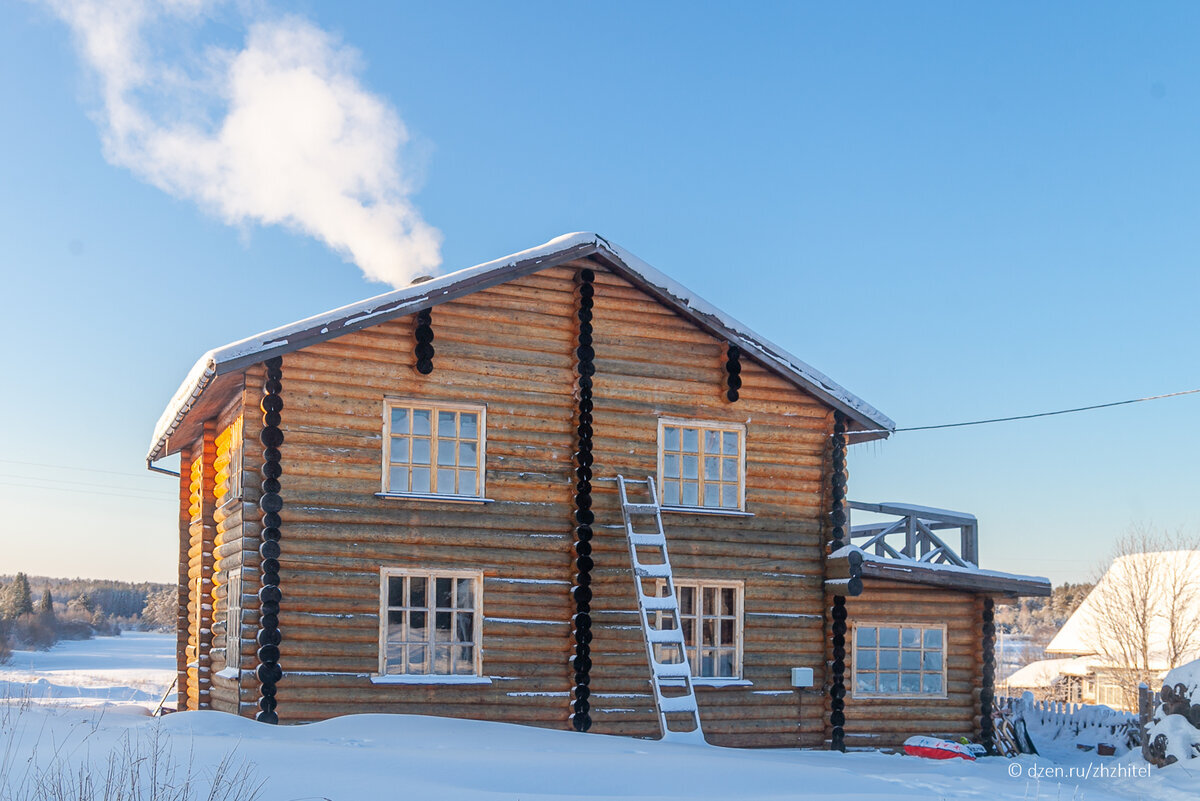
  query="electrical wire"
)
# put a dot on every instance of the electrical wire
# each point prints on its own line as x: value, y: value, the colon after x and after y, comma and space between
x: 1029, y: 416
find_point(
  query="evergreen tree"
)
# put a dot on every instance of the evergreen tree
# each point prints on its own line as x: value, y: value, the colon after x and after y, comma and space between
x: 20, y: 599
x: 46, y: 605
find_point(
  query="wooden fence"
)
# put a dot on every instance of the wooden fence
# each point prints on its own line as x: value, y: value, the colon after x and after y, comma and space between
x: 1073, y: 720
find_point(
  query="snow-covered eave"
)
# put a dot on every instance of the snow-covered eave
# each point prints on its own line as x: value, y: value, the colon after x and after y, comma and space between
x: 946, y: 575
x: 236, y: 356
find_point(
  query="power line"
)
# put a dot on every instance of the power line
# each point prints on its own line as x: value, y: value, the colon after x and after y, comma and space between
x: 1031, y: 416
x: 82, y: 492
x: 69, y: 467
x: 150, y: 493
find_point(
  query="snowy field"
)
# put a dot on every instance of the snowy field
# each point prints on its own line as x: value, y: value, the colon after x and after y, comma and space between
x: 80, y: 710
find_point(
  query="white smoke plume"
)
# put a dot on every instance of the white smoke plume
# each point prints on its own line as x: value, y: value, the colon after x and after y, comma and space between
x: 280, y: 132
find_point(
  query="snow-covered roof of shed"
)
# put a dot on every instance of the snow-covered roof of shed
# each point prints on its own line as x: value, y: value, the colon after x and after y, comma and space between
x: 407, y: 300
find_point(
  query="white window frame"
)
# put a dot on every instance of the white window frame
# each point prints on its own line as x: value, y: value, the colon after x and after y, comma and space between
x: 386, y: 573
x: 237, y: 451
x: 891, y: 624
x: 434, y: 406
x: 704, y: 425
x: 739, y: 625
x: 233, y: 620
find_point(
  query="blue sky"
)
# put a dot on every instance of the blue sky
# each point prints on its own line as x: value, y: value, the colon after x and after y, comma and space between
x: 957, y: 211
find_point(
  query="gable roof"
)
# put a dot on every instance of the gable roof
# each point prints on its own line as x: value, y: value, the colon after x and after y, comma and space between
x: 236, y: 356
x: 1089, y: 631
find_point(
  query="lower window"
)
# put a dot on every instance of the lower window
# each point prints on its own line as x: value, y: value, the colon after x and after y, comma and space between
x: 899, y: 660
x: 710, y: 614
x: 429, y: 623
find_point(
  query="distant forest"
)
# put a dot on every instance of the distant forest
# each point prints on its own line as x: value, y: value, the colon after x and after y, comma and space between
x: 38, y: 611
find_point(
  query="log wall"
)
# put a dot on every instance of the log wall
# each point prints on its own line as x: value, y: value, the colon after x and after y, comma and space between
x: 888, y: 722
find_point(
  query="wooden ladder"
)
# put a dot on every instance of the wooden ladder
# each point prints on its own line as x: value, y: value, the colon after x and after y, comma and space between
x: 660, y: 616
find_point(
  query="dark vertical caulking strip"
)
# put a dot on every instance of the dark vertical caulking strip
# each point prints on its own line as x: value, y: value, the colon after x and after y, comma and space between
x: 989, y: 676
x: 581, y: 592
x: 837, y: 516
x: 733, y: 371
x: 269, y: 596
x: 423, y: 350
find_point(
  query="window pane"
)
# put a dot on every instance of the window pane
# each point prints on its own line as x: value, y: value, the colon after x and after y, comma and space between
x: 729, y: 496
x: 727, y: 605
x: 910, y: 638
x: 691, y: 467
x: 729, y: 442
x: 670, y: 466
x: 395, y: 630
x: 712, y: 441
x: 464, y: 660
x: 708, y: 632
x: 465, y: 627
x: 688, y: 625
x: 420, y: 479
x: 866, y: 660
x: 399, y: 421
x: 933, y: 660
x: 445, y: 596
x: 670, y: 438
x: 420, y: 451
x: 446, y: 452
x: 687, y: 600
x: 465, y: 597
x: 889, y: 638
x: 910, y: 682
x: 671, y: 493
x: 441, y: 660
x: 400, y: 449
x: 395, y: 590
x: 398, y: 479
x: 931, y: 683
x: 889, y: 682
x: 421, y: 422
x: 446, y: 426
x: 729, y: 469
x: 865, y: 683
x: 445, y: 482
x: 910, y: 660
x: 712, y: 468
x: 933, y: 638
x: 466, y: 482
x: 712, y: 495
x: 889, y: 659
x: 468, y: 423
x: 725, y: 664
x: 691, y: 440
x: 394, y: 658
x: 726, y: 632
x: 416, y: 591
x: 416, y: 659
x: 691, y: 495
x: 708, y: 663
x: 710, y: 600
x: 442, y: 630
x: 417, y: 630
x: 865, y: 635
x: 467, y: 453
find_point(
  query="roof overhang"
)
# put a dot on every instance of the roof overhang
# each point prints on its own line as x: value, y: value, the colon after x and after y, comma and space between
x: 205, y: 387
x: 911, y: 571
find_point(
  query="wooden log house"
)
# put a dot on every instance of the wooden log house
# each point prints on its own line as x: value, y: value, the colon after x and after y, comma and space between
x: 409, y: 505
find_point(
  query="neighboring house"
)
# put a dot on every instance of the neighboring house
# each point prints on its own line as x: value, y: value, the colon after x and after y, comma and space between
x: 433, y: 526
x: 1140, y: 620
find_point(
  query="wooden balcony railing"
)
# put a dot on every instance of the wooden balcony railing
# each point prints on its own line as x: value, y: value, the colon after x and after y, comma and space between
x: 913, y: 536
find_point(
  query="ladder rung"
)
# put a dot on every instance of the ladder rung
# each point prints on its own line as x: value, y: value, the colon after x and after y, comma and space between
x: 634, y: 480
x: 648, y: 540
x: 672, y: 670
x: 665, y: 636
x: 653, y: 571
x: 654, y: 603
x: 680, y: 703
x: 642, y: 508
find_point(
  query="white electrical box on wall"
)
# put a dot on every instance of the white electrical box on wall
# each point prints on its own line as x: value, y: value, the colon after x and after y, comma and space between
x: 802, y: 677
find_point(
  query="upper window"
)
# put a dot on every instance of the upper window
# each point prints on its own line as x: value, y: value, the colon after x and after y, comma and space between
x: 710, y: 614
x: 433, y: 449
x: 701, y: 465
x: 228, y: 463
x: 905, y: 661
x: 233, y: 619
x: 429, y: 623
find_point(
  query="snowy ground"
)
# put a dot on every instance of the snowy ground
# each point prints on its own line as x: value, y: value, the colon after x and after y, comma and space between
x: 400, y: 756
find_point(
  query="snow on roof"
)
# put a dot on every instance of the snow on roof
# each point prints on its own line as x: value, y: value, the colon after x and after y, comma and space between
x: 407, y: 300
x: 1042, y: 673
x: 1085, y: 631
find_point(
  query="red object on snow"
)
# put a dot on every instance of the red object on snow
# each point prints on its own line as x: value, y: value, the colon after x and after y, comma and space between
x: 933, y: 748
